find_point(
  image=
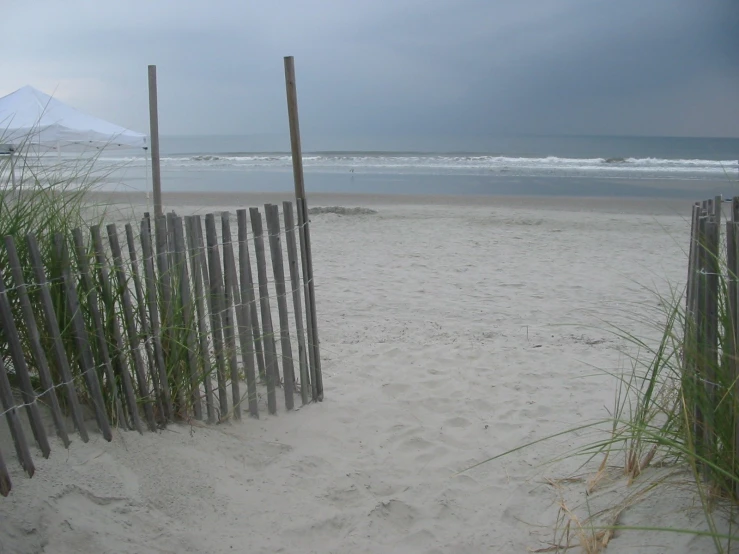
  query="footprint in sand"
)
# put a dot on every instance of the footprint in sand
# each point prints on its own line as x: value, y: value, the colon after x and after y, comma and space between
x: 457, y: 422
x: 395, y: 513
x: 395, y: 390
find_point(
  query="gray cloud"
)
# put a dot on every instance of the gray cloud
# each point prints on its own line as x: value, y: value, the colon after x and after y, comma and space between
x: 406, y: 68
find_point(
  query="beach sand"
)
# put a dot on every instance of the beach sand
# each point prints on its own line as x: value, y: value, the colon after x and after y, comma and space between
x: 452, y: 330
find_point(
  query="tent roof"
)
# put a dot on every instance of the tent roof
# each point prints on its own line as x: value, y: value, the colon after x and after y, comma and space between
x: 31, y: 115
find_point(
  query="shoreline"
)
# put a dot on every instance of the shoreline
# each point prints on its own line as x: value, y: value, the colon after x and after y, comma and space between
x: 614, y: 204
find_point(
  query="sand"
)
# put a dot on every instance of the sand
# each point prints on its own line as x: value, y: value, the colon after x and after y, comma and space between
x: 452, y: 330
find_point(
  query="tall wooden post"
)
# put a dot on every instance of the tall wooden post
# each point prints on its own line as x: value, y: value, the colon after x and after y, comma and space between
x: 304, y: 231
x: 156, y: 175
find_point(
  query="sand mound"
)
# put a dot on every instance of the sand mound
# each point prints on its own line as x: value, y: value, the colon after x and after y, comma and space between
x: 340, y: 210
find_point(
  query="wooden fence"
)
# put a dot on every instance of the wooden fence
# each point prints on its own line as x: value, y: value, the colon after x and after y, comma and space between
x: 710, y: 355
x: 136, y: 336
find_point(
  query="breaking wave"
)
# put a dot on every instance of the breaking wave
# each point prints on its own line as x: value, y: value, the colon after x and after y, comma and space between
x: 452, y: 163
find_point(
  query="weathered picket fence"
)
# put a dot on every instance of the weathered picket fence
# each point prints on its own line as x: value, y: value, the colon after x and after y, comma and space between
x: 135, y: 336
x: 710, y: 354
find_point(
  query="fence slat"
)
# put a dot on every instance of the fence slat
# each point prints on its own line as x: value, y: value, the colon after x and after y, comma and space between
x: 216, y: 304
x: 713, y: 269
x: 165, y: 284
x: 730, y: 351
x: 120, y: 364
x: 244, y: 324
x: 145, y: 327
x: 14, y: 423
x: 268, y: 337
x: 52, y: 324
x: 248, y: 295
x: 734, y: 375
x: 292, y: 260
x: 229, y: 328
x: 272, y: 215
x: 187, y: 316
x: 197, y: 265
x: 5, y: 483
x: 697, y: 257
x: 169, y: 218
x: 21, y: 370
x: 42, y: 363
x: 689, y: 289
x: 134, y: 339
x: 733, y: 294
x: 314, y: 355
x: 306, y: 295
x: 81, y: 339
x: 702, y: 345
x: 177, y: 371
x: 88, y: 289
x: 147, y: 255
x: 693, y: 315
x: 166, y: 293
x: 176, y: 345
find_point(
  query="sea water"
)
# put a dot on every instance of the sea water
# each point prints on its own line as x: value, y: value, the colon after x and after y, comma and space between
x: 568, y: 166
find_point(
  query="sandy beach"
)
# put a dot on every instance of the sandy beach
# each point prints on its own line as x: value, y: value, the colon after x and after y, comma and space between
x: 452, y: 329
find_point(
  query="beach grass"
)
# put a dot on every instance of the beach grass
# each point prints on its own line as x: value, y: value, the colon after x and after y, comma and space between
x: 45, y: 195
x: 668, y: 421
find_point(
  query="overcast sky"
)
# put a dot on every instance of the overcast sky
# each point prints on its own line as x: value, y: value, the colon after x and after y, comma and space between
x: 453, y: 68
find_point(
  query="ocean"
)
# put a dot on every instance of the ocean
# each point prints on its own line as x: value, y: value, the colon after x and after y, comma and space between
x: 559, y: 166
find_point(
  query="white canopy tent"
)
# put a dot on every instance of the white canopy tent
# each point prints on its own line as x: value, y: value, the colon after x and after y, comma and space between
x: 31, y: 115
x: 31, y: 118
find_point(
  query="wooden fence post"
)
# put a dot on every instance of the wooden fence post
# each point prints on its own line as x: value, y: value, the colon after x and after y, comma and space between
x: 691, y: 359
x: 197, y: 265
x: 711, y: 370
x: 701, y: 331
x: 292, y: 258
x: 268, y: 337
x: 37, y: 348
x: 229, y: 328
x: 14, y: 423
x: 21, y: 370
x: 271, y: 213
x: 90, y: 292
x: 154, y: 130
x: 119, y: 360
x: 733, y: 262
x: 176, y: 343
x: 134, y: 338
x: 216, y: 295
x: 248, y: 294
x: 81, y: 339
x: 187, y: 317
x: 310, y: 313
x: 165, y: 284
x: 305, y: 243
x: 167, y: 301
x: 60, y: 354
x: 147, y: 254
x: 243, y: 320
x: 145, y: 327
x: 5, y: 483
x: 689, y: 292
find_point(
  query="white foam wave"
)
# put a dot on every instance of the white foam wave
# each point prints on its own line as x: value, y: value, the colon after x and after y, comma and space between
x: 447, y: 163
